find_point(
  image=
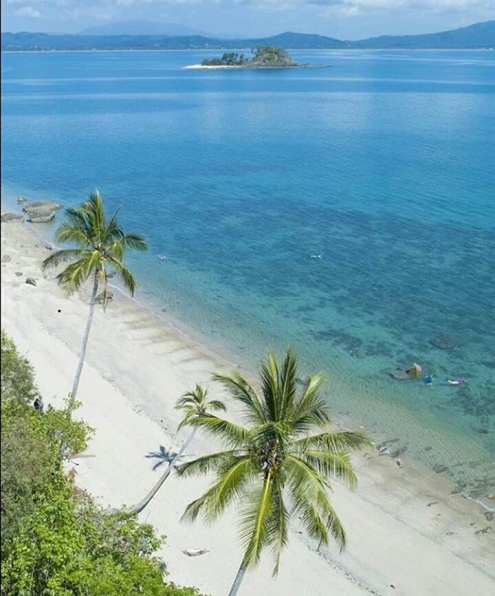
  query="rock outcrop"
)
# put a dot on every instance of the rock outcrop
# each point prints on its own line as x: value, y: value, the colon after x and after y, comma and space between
x: 9, y: 217
x: 40, y: 211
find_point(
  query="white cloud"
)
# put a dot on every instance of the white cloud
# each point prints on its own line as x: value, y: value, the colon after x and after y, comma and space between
x: 27, y: 11
x: 337, y: 18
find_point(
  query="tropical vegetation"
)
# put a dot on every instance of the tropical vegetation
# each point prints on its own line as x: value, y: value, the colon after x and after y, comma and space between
x: 98, y: 247
x: 264, y: 56
x: 54, y: 539
x: 195, y: 404
x: 273, y: 467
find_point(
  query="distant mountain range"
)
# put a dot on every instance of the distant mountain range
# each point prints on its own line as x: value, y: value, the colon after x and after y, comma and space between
x: 477, y: 36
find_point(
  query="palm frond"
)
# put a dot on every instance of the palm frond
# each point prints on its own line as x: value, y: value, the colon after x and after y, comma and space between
x: 332, y: 465
x: 311, y: 501
x: 124, y: 273
x: 255, y: 523
x: 240, y: 390
x: 311, y: 409
x: 278, y: 529
x: 233, y: 474
x: 62, y: 255
x: 231, y: 434
x: 73, y: 276
x: 346, y: 440
x: 135, y: 241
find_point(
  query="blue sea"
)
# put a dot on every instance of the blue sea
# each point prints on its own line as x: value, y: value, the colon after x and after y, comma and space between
x: 347, y: 211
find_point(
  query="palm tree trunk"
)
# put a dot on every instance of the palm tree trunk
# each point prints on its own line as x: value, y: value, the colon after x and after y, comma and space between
x: 82, y: 355
x: 238, y: 579
x: 142, y: 504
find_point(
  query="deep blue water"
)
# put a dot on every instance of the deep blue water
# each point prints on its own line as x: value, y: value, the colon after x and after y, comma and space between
x: 347, y: 211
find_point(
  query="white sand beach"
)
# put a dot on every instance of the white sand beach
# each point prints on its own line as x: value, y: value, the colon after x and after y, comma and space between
x: 407, y: 533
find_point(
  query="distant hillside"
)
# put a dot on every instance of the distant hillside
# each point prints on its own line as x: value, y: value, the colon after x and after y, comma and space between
x: 479, y: 35
x: 142, y: 28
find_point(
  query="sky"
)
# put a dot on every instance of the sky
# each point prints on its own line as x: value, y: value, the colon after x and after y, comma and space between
x: 341, y: 19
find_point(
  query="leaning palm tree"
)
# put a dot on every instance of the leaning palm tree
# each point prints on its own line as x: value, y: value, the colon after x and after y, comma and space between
x: 274, y: 468
x: 99, y: 246
x: 195, y: 404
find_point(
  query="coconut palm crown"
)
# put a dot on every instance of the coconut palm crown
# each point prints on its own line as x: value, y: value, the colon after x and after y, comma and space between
x: 194, y: 404
x: 98, y: 248
x: 274, y: 467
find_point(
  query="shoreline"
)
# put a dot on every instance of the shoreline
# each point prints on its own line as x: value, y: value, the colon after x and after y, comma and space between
x: 141, y: 364
x: 217, y: 348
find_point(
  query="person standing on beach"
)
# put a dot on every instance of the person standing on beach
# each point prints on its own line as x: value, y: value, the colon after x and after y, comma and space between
x: 38, y: 404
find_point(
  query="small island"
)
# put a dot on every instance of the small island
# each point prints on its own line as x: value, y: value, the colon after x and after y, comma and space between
x: 263, y: 57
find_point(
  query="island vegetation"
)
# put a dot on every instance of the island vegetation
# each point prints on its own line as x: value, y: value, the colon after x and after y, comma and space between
x: 263, y: 57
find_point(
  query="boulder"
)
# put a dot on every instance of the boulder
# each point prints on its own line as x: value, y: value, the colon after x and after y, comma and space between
x: 41, y: 211
x: 8, y: 217
x: 6, y: 258
x: 100, y: 299
x: 21, y: 200
x: 41, y: 216
x: 45, y: 205
x: 400, y: 375
x: 415, y: 372
x: 31, y: 281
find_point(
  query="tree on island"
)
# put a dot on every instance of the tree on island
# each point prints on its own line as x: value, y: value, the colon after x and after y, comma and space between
x: 263, y: 56
x: 272, y: 468
x: 101, y: 245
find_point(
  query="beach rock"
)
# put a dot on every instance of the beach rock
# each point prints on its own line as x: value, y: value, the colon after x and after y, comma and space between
x: 21, y: 200
x: 100, y: 299
x: 41, y: 211
x: 19, y: 273
x: 41, y: 217
x: 8, y: 217
x: 445, y: 342
x: 415, y: 372
x: 31, y: 281
x: 400, y: 375
x: 6, y: 259
x: 45, y: 205
x: 195, y: 552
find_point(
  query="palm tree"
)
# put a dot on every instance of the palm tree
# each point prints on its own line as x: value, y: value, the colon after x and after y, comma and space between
x: 99, y: 248
x: 273, y: 468
x: 195, y: 404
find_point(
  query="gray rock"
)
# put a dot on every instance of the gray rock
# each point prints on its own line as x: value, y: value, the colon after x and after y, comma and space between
x: 44, y: 205
x: 41, y: 216
x: 21, y: 200
x: 6, y: 258
x: 31, y: 281
x: 19, y: 273
x: 41, y: 211
x: 8, y: 217
x: 100, y: 298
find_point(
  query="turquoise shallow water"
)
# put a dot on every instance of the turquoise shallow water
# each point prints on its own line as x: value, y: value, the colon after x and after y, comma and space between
x: 347, y: 211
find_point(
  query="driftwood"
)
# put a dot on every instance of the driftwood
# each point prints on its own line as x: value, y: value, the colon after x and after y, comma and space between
x: 195, y: 552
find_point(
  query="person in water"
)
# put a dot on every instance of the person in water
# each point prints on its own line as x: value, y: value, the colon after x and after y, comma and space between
x: 428, y: 380
x: 458, y: 382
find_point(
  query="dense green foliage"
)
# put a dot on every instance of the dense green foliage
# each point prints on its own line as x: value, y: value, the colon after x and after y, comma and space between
x: 55, y: 541
x: 273, y: 468
x: 264, y: 56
